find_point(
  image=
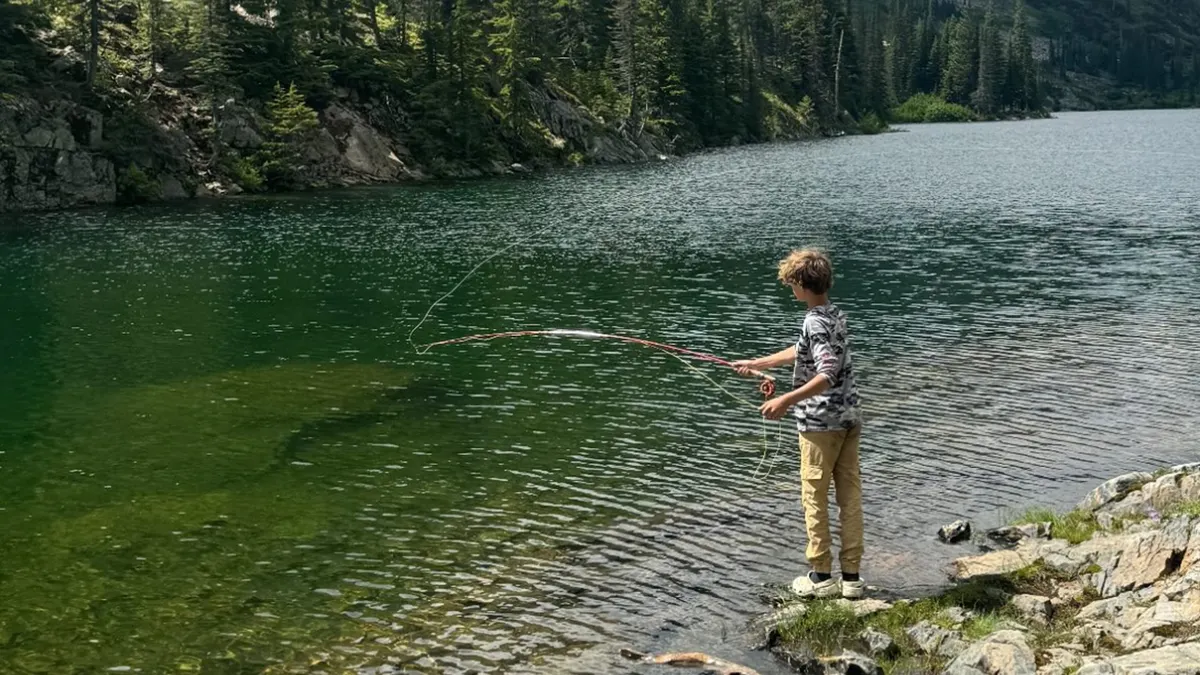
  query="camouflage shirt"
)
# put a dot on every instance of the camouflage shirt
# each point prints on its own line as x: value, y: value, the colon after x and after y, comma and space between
x: 824, y: 349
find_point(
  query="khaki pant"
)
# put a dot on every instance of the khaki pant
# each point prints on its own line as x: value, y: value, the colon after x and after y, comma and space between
x: 825, y: 456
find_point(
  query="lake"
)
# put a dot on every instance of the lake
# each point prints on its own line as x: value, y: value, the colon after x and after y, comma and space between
x: 219, y: 451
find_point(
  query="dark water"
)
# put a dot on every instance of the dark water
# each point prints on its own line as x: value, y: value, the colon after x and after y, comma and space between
x: 221, y: 454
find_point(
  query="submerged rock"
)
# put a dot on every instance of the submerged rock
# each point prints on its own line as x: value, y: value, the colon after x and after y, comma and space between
x: 959, y: 530
x: 1012, y: 535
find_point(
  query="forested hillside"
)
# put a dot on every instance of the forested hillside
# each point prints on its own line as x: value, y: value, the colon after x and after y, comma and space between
x: 198, y: 96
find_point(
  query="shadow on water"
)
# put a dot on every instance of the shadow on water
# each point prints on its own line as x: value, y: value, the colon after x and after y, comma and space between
x: 420, y: 395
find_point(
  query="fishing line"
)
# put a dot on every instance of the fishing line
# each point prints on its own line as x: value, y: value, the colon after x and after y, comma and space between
x: 766, y: 382
x: 531, y: 235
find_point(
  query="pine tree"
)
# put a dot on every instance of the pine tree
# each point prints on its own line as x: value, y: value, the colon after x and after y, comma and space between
x: 627, y: 57
x: 1022, y: 76
x: 291, y: 120
x: 989, y: 94
x: 93, y: 58
x: 956, y: 78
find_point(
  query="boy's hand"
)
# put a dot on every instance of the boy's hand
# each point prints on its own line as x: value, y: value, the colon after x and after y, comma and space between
x: 744, y: 367
x: 775, y: 409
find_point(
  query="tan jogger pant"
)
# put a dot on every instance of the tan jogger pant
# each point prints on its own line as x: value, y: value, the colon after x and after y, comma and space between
x: 826, y: 456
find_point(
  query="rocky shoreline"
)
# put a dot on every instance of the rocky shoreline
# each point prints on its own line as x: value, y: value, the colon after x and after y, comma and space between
x: 1111, y: 588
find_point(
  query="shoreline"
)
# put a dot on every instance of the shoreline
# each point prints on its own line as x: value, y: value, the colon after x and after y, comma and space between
x: 1110, y: 588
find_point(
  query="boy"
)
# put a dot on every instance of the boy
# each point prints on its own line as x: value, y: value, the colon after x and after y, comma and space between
x: 826, y: 406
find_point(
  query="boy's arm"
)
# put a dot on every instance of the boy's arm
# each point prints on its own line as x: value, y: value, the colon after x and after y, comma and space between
x: 825, y: 355
x: 777, y: 407
x: 780, y: 358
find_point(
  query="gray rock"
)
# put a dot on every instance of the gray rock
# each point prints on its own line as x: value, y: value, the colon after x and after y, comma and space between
x: 1002, y: 653
x: 40, y: 137
x: 959, y: 530
x: 1068, y: 592
x: 1059, y: 661
x: 1134, y: 504
x: 1189, y: 486
x: 239, y: 128
x: 1012, y: 535
x: 800, y: 659
x: 359, y: 150
x: 851, y: 663
x: 1173, y: 660
x: 1193, y: 467
x: 879, y: 643
x: 935, y: 640
x: 996, y: 563
x: 173, y: 189
x: 956, y: 615
x: 1114, y: 489
x: 517, y: 167
x: 864, y: 607
x: 1145, y: 557
x: 1034, y: 608
x: 1164, y: 491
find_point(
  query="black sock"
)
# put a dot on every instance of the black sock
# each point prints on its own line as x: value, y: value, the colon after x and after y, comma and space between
x: 846, y: 576
x: 822, y: 576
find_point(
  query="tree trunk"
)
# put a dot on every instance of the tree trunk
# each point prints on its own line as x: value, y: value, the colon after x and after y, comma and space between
x: 155, y: 21
x: 837, y: 78
x: 373, y: 18
x: 93, y: 41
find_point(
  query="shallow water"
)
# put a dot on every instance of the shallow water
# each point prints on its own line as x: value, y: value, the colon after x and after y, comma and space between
x: 220, y: 452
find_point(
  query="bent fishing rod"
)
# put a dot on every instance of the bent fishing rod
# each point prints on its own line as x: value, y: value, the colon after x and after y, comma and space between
x: 766, y: 385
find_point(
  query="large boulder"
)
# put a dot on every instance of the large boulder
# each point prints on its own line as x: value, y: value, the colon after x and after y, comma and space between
x: 1173, y: 660
x: 1002, y: 653
x: 1145, y: 557
x: 365, y: 153
x: 999, y: 563
x: 47, y: 159
x: 1114, y: 489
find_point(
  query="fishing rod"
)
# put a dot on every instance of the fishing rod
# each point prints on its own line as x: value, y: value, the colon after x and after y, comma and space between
x: 766, y: 385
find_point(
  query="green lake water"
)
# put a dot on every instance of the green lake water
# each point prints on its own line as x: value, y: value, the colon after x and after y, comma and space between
x: 219, y: 452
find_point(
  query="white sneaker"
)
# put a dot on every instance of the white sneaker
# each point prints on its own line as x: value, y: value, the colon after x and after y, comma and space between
x: 808, y: 587
x: 854, y: 590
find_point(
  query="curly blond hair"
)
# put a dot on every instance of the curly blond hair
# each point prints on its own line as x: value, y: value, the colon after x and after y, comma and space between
x: 807, y: 268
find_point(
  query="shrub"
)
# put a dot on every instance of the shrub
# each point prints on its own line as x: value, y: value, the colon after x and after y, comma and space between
x: 931, y: 108
x: 246, y: 173
x: 872, y: 124
x: 135, y: 186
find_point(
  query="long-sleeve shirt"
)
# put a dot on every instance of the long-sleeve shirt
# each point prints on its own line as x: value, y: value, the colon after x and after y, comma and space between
x: 824, y: 349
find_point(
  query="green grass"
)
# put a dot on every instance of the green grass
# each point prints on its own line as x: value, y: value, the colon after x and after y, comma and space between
x: 1075, y: 526
x: 828, y: 627
x: 983, y: 625
x: 1190, y: 509
x: 825, y: 627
